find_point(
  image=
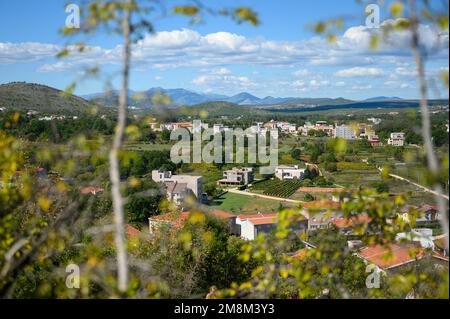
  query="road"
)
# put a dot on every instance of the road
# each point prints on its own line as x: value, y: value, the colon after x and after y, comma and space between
x: 415, y: 184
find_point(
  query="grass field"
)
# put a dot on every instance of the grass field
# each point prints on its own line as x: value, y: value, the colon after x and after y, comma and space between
x: 242, y: 204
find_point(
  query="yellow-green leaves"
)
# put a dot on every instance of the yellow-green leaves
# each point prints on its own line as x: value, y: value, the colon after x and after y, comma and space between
x: 442, y: 22
x: 186, y: 10
x: 245, y: 14
x: 374, y: 42
x: 161, y: 99
x: 320, y: 27
x: 396, y: 9
x: 444, y: 78
x: 68, y: 91
x: 63, y: 53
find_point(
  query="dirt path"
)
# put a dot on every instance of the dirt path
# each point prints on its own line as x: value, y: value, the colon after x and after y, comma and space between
x: 415, y: 184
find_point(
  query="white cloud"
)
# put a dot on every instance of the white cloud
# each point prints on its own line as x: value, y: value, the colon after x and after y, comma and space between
x: 361, y: 87
x: 158, y: 78
x: 188, y: 48
x: 409, y: 72
x: 26, y: 52
x: 301, y: 73
x: 221, y: 71
x: 359, y: 71
x: 222, y: 79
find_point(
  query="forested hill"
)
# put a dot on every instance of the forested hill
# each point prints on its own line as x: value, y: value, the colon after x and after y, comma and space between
x: 41, y: 98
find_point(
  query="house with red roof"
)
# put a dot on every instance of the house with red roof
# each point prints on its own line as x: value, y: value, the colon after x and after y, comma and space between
x: 391, y: 256
x: 251, y: 225
x: 230, y: 218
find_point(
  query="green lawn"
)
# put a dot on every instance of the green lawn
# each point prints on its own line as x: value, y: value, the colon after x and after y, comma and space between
x: 242, y: 204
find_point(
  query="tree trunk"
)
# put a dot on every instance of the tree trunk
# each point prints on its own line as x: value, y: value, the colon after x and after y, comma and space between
x: 114, y: 172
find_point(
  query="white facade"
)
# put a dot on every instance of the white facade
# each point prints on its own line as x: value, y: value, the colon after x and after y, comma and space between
x: 289, y: 172
x: 344, y: 132
x: 397, y: 139
x: 194, y: 183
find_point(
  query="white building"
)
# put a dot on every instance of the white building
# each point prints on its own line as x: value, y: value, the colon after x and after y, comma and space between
x: 252, y: 225
x: 178, y: 187
x: 397, y: 139
x: 237, y: 176
x: 285, y: 172
x: 344, y: 132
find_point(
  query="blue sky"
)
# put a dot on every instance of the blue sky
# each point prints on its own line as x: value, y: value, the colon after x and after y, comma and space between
x: 281, y: 57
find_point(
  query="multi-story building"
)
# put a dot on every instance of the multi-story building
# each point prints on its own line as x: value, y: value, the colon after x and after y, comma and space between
x: 319, y: 126
x: 374, y: 140
x: 397, y: 139
x: 344, y: 132
x: 285, y: 172
x: 238, y: 176
x: 178, y: 187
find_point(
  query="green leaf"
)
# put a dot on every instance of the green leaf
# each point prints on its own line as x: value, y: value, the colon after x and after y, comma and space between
x: 63, y: 53
x: 397, y: 9
x: 247, y: 15
x: 186, y: 10
x: 320, y: 27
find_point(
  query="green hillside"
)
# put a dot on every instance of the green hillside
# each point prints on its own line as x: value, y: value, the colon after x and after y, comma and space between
x: 41, y: 98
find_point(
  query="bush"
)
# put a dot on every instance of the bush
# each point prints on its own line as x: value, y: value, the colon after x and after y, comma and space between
x: 331, y: 166
x: 381, y: 187
x: 295, y: 154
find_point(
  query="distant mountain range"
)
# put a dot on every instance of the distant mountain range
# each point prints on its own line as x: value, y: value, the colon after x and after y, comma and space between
x: 182, y: 97
x: 42, y: 98
x: 383, y: 98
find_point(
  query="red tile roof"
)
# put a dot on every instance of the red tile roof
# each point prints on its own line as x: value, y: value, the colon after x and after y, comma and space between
x: 222, y: 214
x: 250, y: 216
x: 177, y: 220
x: 263, y: 220
x: 426, y: 208
x: 348, y: 222
x: 401, y: 255
x: 260, y: 219
x: 91, y: 190
x: 300, y: 254
x: 132, y: 232
x: 326, y: 204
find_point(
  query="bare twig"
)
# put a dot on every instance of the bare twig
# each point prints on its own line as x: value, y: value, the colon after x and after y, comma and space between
x: 433, y: 164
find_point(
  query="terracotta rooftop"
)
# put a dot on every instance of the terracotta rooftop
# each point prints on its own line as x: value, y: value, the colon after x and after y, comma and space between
x: 222, y: 214
x: 326, y: 204
x: 250, y: 216
x: 401, y: 255
x: 300, y: 254
x: 91, y: 190
x: 132, y: 232
x: 348, y: 222
x: 260, y: 219
x: 176, y: 219
x: 425, y: 208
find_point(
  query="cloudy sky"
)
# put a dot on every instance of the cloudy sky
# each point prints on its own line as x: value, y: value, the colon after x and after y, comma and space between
x: 281, y: 57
